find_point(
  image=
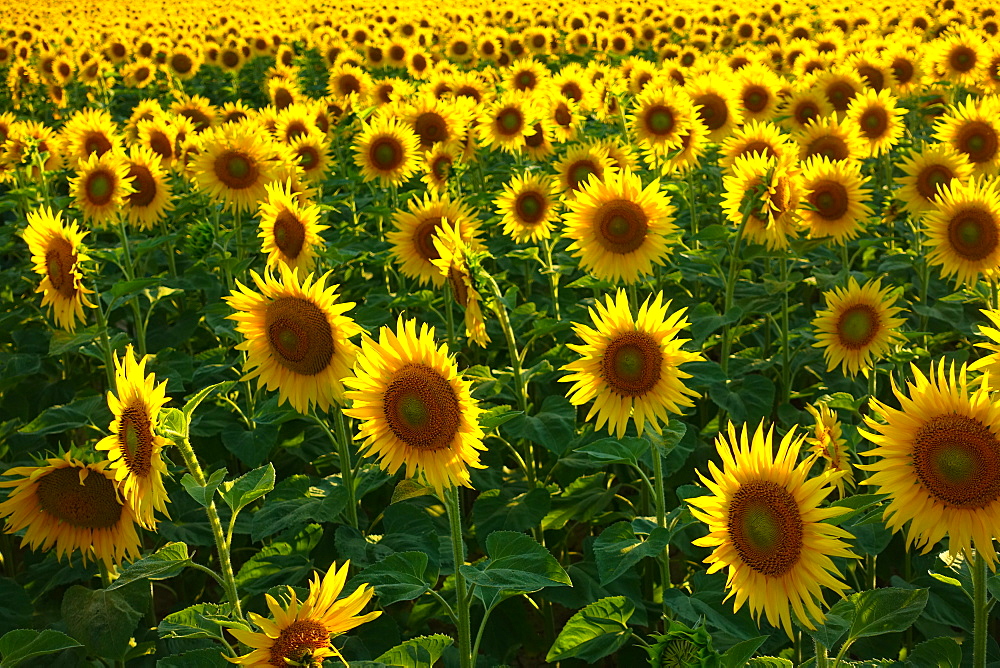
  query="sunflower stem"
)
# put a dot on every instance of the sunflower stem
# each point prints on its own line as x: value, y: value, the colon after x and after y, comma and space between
x: 222, y: 547
x: 553, y: 276
x: 449, y: 318
x: 821, y: 658
x: 453, y: 506
x: 980, y: 611
x: 102, y: 324
x: 727, y: 304
x: 515, y: 358
x: 129, y: 268
x: 633, y: 298
x: 342, y: 445
x: 786, y: 370
x: 659, y: 498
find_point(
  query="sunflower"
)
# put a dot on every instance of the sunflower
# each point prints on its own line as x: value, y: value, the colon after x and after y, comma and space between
x: 312, y: 154
x: 234, y: 165
x: 828, y: 137
x: 939, y: 460
x: 959, y: 57
x: 152, y: 196
x: 619, y: 230
x: 506, y: 122
x: 963, y: 230
x: 693, y: 144
x: 438, y: 163
x: 196, y: 109
x: 774, y: 190
x: 990, y: 363
x: 973, y: 128
x: 758, y: 92
x: 348, y: 82
x: 526, y: 75
x: 413, y: 407
x: 839, y: 87
x: 300, y: 633
x: 763, y: 138
x: 159, y: 135
x: 289, y: 230
x: 87, y: 132
x: 56, y: 254
x: 528, y: 206
x: 386, y: 150
x: 413, y: 237
x: 100, y: 187
x: 716, y: 104
x: 71, y: 506
x: 435, y: 121
x: 877, y: 118
x: 828, y: 444
x: 564, y: 117
x: 133, y: 446
x: 294, y: 121
x: 659, y: 118
x: 927, y: 171
x: 907, y: 70
x: 802, y: 108
x: 296, y: 337
x: 631, y: 366
x: 581, y: 162
x: 453, y: 264
x: 766, y: 526
x: 836, y: 199
x: 858, y: 326
x: 538, y: 141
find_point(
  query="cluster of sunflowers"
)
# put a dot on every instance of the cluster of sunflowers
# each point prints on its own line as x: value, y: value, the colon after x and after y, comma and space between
x: 581, y: 183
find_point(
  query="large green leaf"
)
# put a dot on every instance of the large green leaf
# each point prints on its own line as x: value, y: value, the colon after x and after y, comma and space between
x: 402, y: 576
x: 505, y: 509
x: 516, y: 563
x: 20, y: 645
x: 738, y: 655
x: 248, y: 487
x: 885, y: 610
x: 552, y: 427
x: 196, y: 621
x: 165, y: 563
x: 593, y: 633
x: 936, y: 653
x: 617, y: 550
x: 420, y: 652
x: 104, y: 620
x: 608, y: 451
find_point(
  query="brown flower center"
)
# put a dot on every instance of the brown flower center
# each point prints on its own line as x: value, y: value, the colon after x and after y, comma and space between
x: 659, y: 120
x: 930, y: 178
x: 91, y: 504
x: 962, y: 58
x: 874, y: 122
x: 830, y: 199
x: 99, y: 188
x: 459, y: 290
x: 236, y: 169
x: 631, y: 364
x: 509, y: 121
x: 713, y: 111
x: 765, y: 527
x: 308, y: 157
x: 840, y: 94
x: 96, y: 142
x: 957, y: 460
x: 59, y: 263
x: 289, y: 233
x: 423, y: 238
x: 297, y: 642
x: 857, y: 326
x: 181, y: 63
x: 978, y: 140
x: 430, y: 127
x: 806, y: 111
x: 874, y: 77
x: 581, y: 170
x: 832, y: 146
x: 537, y: 139
x: 386, y: 153
x: 530, y: 207
x: 421, y: 408
x: 200, y: 119
x: 135, y: 439
x: 972, y: 233
x: 144, y: 185
x: 161, y: 145
x: 300, y: 335
x: 621, y: 226
x: 903, y: 70
x: 755, y: 98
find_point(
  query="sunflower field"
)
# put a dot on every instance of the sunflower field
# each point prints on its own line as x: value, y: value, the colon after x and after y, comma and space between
x: 499, y: 334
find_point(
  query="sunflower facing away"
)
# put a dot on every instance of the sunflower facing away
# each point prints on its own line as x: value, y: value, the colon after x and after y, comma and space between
x: 72, y: 506
x: 289, y: 231
x: 133, y: 446
x: 939, y: 460
x: 619, y: 230
x: 858, y: 326
x: 828, y: 444
x: 303, y: 631
x: 963, y: 231
x: 453, y: 265
x: 413, y: 407
x: 296, y: 337
x: 768, y: 192
x: 766, y: 526
x: 631, y: 365
x: 56, y: 254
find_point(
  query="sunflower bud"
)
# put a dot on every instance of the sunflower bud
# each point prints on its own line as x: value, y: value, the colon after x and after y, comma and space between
x: 683, y: 647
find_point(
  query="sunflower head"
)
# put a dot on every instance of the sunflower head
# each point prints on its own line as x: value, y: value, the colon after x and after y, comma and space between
x: 100, y: 187
x: 829, y: 445
x: 386, y: 150
x: 528, y: 206
x: 454, y: 262
x: 234, y: 164
x: 57, y: 254
x: 289, y: 230
x: 963, y: 230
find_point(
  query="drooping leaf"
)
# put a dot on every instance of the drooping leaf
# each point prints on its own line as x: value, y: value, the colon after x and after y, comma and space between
x: 420, y: 652
x: 593, y: 633
x: 516, y: 563
x: 20, y: 645
x: 249, y: 487
x: 165, y: 563
x: 402, y: 576
x: 104, y: 620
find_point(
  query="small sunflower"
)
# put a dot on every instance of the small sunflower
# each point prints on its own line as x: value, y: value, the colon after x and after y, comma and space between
x: 289, y: 230
x: 959, y: 57
x: 100, y: 187
x: 802, y: 108
x: 528, y: 205
x: 311, y: 152
x: 973, y: 128
x: 438, y: 163
x: 386, y: 150
x: 927, y: 171
x: 716, y: 104
x: 763, y: 138
x: 828, y: 137
x: 134, y: 447
x: 297, y: 338
x: 70, y: 505
x: 630, y: 366
x: 580, y: 163
x: 435, y: 121
x: 828, y: 444
x: 758, y: 93
x: 56, y: 254
x: 837, y: 201
x: 963, y: 231
x: 413, y: 237
x: 939, y: 460
x: 414, y: 408
x: 767, y: 528
x: 507, y: 121
x: 619, y: 229
x: 660, y: 116
x: 858, y: 326
x: 234, y: 165
x: 300, y: 633
x: 87, y: 132
x: 152, y: 196
x: 453, y: 264
x: 878, y: 120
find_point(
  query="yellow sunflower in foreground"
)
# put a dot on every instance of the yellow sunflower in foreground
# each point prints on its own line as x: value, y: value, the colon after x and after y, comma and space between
x: 133, y: 446
x: 827, y: 443
x: 386, y: 150
x: 631, y: 365
x: 100, y: 186
x: 926, y: 172
x: 963, y: 231
x: 858, y: 326
x: 289, y: 230
x: 528, y: 205
x: 973, y: 128
x: 991, y: 362
x: 413, y: 407
x: 72, y: 506
x: 56, y: 254
x: 413, y: 239
x: 300, y: 633
x: 939, y: 460
x: 767, y: 528
x: 452, y: 264
x: 836, y: 199
x: 234, y: 165
x: 619, y: 230
x: 297, y: 337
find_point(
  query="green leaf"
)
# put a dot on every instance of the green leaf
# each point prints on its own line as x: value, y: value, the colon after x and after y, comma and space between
x: 79, y: 413
x: 15, y: 605
x: 248, y: 487
x: 746, y: 399
x: 165, y: 563
x: 885, y: 610
x: 251, y: 446
x: 598, y: 630
x: 516, y: 563
x: 993, y: 585
x: 420, y: 652
x: 104, y: 620
x: 940, y: 652
x: 673, y: 433
x: 408, y: 488
x: 617, y: 550
x: 20, y: 645
x: 204, y: 495
x: 194, y: 622
x: 858, y: 504
x: 173, y: 424
x: 552, y: 427
x: 496, y: 416
x: 615, y: 451
x: 768, y: 662
x: 206, y: 657
x: 738, y: 655
x: 191, y: 404
x: 322, y: 502
x: 402, y: 576
x: 505, y: 509
x: 835, y: 624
